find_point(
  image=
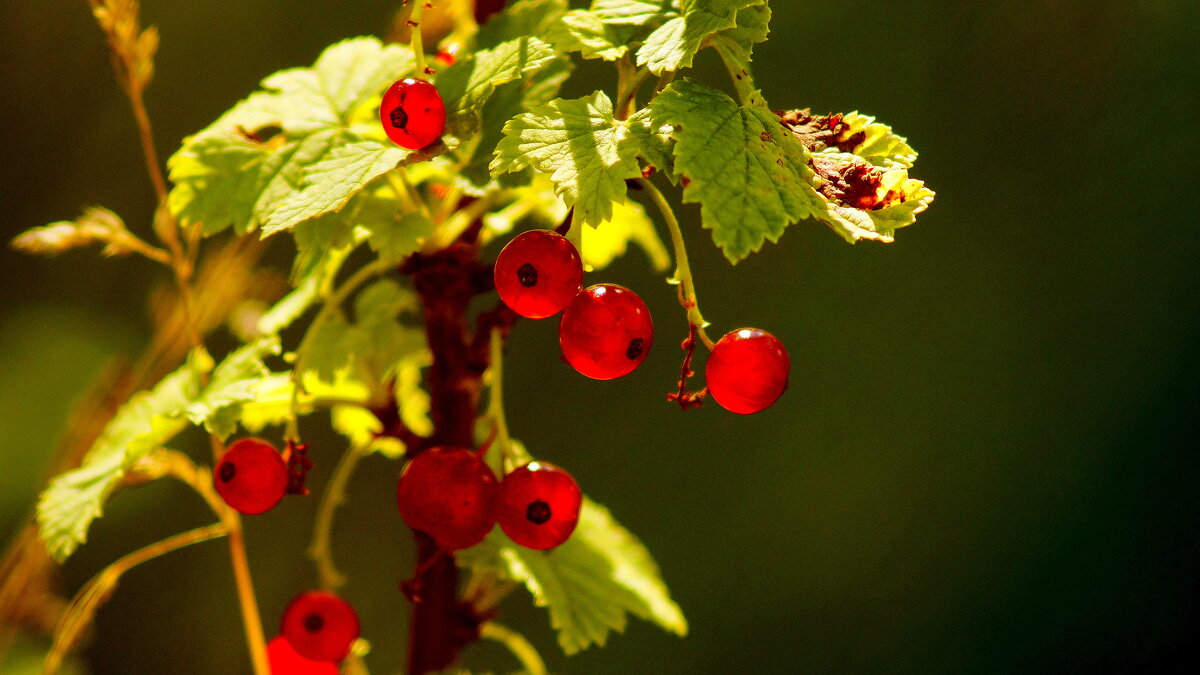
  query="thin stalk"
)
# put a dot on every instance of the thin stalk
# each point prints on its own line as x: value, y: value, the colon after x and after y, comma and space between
x: 82, y: 610
x: 521, y: 648
x: 200, y: 479
x: 683, y: 271
x: 496, y: 401
x: 414, y: 38
x: 629, y: 80
x: 334, y: 496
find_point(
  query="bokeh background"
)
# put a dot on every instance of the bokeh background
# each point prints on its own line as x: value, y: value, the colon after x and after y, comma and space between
x: 987, y: 460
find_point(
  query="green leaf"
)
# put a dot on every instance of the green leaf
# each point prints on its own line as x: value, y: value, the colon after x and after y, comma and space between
x: 369, y: 349
x: 235, y: 381
x: 397, y: 240
x: 329, y: 184
x: 674, y: 44
x: 467, y: 85
x: 589, y: 584
x: 653, y: 142
x: 611, y: 238
x: 241, y: 167
x: 748, y: 174
x: 508, y: 101
x: 751, y: 26
x: 634, y: 12
x: 519, y: 19
x: 74, y: 499
x: 586, y: 152
x: 586, y: 33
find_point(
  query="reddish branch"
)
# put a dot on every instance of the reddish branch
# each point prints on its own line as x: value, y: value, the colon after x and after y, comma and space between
x: 446, y: 281
x: 687, y: 399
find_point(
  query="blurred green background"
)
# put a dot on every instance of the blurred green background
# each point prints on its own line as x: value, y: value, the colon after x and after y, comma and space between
x: 986, y: 461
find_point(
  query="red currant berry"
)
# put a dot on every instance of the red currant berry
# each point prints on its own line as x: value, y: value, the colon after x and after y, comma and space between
x: 448, y: 55
x: 606, y: 331
x: 539, y: 505
x: 538, y: 273
x: 285, y: 660
x: 320, y: 626
x: 449, y: 494
x: 412, y: 113
x: 251, y: 476
x: 747, y: 370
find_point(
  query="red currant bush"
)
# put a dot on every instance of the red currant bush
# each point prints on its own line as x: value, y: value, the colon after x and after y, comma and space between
x: 538, y: 273
x: 412, y: 113
x: 285, y: 660
x: 747, y: 370
x: 539, y: 505
x: 449, y: 494
x: 606, y: 332
x: 251, y: 476
x: 320, y: 626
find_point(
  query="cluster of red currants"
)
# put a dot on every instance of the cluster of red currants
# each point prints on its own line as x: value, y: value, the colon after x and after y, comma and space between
x: 453, y: 496
x: 316, y: 634
x: 605, y: 331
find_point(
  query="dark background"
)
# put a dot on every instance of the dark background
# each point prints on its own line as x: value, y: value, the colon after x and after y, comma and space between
x: 987, y: 458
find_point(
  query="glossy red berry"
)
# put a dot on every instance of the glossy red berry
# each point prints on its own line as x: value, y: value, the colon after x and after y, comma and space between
x: 251, y: 476
x: 285, y: 660
x: 747, y: 370
x: 449, y: 494
x: 538, y: 273
x: 320, y: 626
x: 539, y: 505
x: 412, y: 113
x: 606, y: 331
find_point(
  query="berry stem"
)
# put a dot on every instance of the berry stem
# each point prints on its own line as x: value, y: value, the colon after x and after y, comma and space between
x: 333, y: 497
x: 82, y: 610
x: 180, y: 466
x: 495, y: 409
x: 415, y: 38
x: 516, y: 643
x: 683, y: 271
x: 629, y: 80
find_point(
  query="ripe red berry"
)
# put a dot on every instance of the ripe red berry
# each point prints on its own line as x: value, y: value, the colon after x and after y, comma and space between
x: 285, y: 660
x: 449, y: 494
x: 606, y: 331
x: 539, y: 505
x: 412, y: 113
x: 538, y: 273
x: 747, y: 370
x: 320, y: 626
x: 251, y: 476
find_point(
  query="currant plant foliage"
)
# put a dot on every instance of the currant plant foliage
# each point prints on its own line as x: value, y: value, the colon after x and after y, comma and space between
x: 305, y: 156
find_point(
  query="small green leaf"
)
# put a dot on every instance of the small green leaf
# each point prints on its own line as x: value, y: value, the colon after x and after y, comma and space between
x: 235, y: 381
x: 467, y: 85
x: 584, y: 32
x: 674, y: 44
x: 653, y: 141
x: 519, y: 19
x: 743, y: 167
x: 586, y: 152
x: 634, y: 12
x: 589, y: 583
x: 74, y: 499
x: 240, y: 168
x: 610, y: 239
x: 397, y: 240
x: 329, y: 184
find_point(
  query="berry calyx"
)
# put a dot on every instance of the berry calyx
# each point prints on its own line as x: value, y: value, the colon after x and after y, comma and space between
x: 606, y: 332
x: 539, y: 505
x: 412, y: 113
x: 320, y: 626
x: 285, y: 660
x: 538, y: 273
x: 747, y: 370
x: 251, y: 476
x: 449, y: 494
